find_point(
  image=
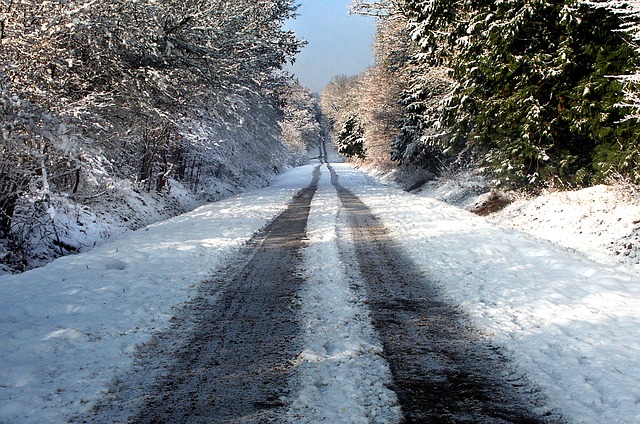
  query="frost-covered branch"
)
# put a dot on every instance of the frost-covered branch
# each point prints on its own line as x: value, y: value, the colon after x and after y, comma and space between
x: 629, y: 11
x: 382, y: 8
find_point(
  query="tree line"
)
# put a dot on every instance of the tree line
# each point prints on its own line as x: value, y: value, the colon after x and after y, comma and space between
x: 97, y: 91
x: 534, y: 93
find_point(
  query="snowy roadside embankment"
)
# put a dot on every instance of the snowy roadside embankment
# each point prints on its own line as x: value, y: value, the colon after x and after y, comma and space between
x: 68, y: 328
x: 603, y: 222
x: 340, y: 375
x: 572, y: 325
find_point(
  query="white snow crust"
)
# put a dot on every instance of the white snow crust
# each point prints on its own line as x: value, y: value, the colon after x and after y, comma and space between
x: 602, y: 222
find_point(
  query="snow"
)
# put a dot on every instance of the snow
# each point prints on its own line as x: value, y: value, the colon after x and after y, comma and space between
x: 602, y: 222
x: 570, y: 323
x: 68, y: 328
x: 340, y: 363
x: 569, y: 318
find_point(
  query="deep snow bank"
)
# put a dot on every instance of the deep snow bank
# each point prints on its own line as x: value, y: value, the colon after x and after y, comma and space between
x: 603, y: 222
x: 600, y: 222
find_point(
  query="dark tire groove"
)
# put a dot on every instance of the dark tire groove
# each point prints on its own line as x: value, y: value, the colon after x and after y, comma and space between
x: 443, y: 370
x: 234, y: 363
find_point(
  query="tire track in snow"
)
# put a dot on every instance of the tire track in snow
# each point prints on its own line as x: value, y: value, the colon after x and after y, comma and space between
x: 239, y: 340
x: 443, y: 370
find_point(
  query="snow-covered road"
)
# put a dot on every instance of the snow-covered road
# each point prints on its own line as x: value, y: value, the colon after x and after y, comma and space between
x: 571, y: 326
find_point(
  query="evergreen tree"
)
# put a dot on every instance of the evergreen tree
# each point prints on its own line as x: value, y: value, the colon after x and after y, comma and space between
x: 423, y: 137
x: 524, y: 86
x: 351, y: 138
x: 339, y: 102
x: 621, y: 155
x: 534, y: 88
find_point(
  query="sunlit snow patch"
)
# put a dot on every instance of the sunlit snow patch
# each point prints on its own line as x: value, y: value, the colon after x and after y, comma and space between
x: 341, y: 376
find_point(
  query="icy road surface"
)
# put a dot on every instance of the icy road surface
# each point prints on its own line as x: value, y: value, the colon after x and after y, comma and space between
x: 355, y: 302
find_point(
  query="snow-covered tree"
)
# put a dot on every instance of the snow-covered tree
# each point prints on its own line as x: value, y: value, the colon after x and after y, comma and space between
x: 301, y: 129
x: 524, y: 82
x: 405, y: 94
x: 130, y: 90
x: 623, y: 156
x: 541, y: 105
x: 382, y: 87
x: 523, y: 86
x: 350, y: 139
x: 424, y: 137
x: 339, y: 101
x: 91, y: 46
x: 380, y: 8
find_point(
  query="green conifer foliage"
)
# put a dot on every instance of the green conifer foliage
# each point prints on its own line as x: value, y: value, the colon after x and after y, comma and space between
x: 536, y: 96
x: 529, y: 89
x: 351, y: 138
x: 423, y: 137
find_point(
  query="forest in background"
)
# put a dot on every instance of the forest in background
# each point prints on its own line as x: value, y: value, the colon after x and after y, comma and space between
x: 529, y: 93
x: 117, y: 113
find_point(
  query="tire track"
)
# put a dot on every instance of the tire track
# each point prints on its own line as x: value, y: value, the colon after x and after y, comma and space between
x: 235, y: 364
x: 443, y: 370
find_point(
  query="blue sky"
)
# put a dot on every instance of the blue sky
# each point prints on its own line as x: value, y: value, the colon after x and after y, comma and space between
x: 339, y: 43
